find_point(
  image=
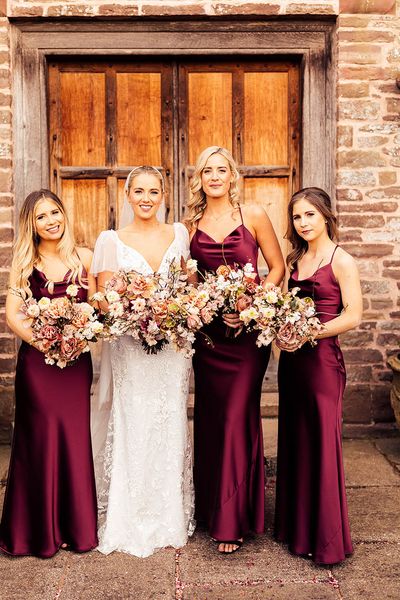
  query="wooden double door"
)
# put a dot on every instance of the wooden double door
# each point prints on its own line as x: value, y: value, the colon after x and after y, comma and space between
x: 106, y: 117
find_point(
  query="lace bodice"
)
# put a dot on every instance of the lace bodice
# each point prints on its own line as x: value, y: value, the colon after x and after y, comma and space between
x: 111, y: 253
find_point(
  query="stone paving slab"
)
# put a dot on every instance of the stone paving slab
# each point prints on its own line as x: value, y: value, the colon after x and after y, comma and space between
x: 4, y: 460
x: 94, y: 576
x: 260, y: 559
x: 293, y: 591
x: 376, y: 559
x: 30, y: 578
x: 365, y: 466
x: 391, y: 449
x: 374, y: 513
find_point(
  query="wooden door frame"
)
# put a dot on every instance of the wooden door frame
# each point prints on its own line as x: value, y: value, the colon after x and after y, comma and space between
x: 36, y: 42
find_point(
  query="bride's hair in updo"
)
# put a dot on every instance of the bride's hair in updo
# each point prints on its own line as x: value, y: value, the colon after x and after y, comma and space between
x: 148, y: 170
x: 198, y: 202
x: 322, y: 203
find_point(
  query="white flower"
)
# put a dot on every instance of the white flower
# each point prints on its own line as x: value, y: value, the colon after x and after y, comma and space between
x: 43, y: 304
x: 116, y: 309
x: 33, y: 310
x: 72, y: 290
x: 112, y: 296
x: 309, y: 312
x: 293, y: 317
x: 96, y: 327
x: 138, y: 305
x: 271, y: 297
x: 98, y: 297
x: 61, y: 363
x: 152, y: 327
x: 268, y: 312
x: 86, y: 308
x: 191, y: 266
x: 248, y: 268
x: 49, y: 361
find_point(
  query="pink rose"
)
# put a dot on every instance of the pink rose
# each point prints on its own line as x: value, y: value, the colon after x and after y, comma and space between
x: 139, y: 286
x: 243, y: 302
x: 49, y: 332
x: 70, y: 348
x: 287, y: 338
x: 206, y: 315
x: 116, y: 284
x: 193, y: 322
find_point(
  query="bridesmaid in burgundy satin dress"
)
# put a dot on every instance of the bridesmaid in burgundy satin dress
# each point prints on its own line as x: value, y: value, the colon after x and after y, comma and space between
x: 50, y: 500
x: 311, y: 507
x: 228, y: 441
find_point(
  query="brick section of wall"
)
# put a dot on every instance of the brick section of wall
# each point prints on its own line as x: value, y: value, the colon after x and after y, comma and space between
x: 368, y: 161
x: 7, y: 341
x: 368, y: 196
x: 77, y: 8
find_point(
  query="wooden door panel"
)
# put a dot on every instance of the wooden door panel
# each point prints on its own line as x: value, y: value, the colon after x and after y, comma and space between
x: 83, y: 137
x: 209, y: 109
x: 265, y: 118
x: 139, y: 118
x: 87, y: 207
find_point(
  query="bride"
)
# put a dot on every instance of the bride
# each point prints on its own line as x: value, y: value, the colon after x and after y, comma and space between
x: 143, y: 467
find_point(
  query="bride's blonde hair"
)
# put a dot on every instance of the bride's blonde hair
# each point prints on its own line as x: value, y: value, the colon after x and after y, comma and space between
x: 26, y: 249
x: 198, y: 202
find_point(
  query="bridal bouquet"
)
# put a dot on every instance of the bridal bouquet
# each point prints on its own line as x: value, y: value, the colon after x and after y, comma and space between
x: 159, y: 308
x: 62, y: 327
x: 289, y: 320
x: 233, y: 288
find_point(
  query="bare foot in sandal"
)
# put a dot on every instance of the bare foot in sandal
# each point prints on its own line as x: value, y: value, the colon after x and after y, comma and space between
x: 230, y: 546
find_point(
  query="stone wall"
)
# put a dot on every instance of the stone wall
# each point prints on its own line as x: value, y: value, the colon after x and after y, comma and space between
x: 368, y: 157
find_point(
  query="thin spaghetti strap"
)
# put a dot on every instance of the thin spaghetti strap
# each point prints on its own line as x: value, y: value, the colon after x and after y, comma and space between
x: 241, y: 216
x: 333, y: 253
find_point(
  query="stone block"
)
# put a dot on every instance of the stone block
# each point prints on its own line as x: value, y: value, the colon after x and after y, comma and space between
x: 391, y: 273
x: 360, y: 54
x: 349, y: 195
x: 302, y: 8
x: 363, y: 35
x: 359, y: 373
x: 381, y: 409
x: 344, y: 136
x: 358, y: 110
x: 250, y: 8
x: 365, y: 466
x: 383, y: 7
x: 356, y: 338
x: 387, y: 178
x: 376, y: 288
x: 357, y: 402
x: 110, y: 10
x: 350, y: 178
x: 362, y: 221
x: 367, y: 207
x: 161, y: 10
x: 374, y: 513
x: 364, y: 73
x: 372, y: 141
x: 393, y: 105
x: 369, y: 250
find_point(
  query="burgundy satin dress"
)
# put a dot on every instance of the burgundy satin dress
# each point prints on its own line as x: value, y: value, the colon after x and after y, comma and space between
x: 311, y: 507
x: 50, y: 497
x: 228, y: 441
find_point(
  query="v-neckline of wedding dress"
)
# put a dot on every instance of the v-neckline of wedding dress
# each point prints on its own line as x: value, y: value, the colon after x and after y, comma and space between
x: 141, y: 255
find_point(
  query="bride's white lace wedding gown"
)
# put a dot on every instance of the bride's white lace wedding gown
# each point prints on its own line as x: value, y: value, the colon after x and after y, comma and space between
x: 144, y: 466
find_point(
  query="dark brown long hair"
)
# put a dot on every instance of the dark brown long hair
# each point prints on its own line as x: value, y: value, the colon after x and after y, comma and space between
x: 322, y: 203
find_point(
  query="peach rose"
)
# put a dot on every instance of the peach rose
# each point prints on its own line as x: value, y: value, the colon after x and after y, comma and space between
x: 117, y: 284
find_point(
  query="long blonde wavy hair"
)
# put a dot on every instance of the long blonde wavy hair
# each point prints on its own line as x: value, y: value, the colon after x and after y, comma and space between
x: 26, y: 249
x: 198, y: 201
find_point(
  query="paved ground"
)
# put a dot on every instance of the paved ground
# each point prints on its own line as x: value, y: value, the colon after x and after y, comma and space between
x: 262, y: 569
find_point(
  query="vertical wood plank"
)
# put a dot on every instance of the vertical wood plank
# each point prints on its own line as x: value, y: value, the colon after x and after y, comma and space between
x: 209, y: 111
x: 266, y: 118
x: 86, y: 204
x: 139, y: 118
x: 83, y: 141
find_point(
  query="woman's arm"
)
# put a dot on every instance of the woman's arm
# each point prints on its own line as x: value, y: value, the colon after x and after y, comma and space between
x: 346, y: 272
x: 86, y: 257
x: 102, y: 279
x: 13, y: 314
x: 265, y: 235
